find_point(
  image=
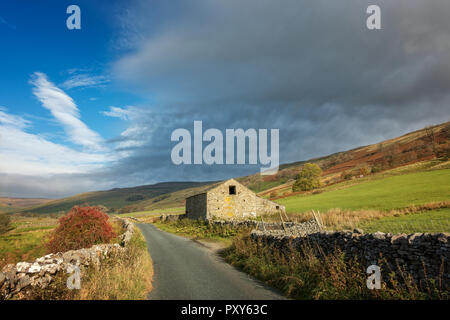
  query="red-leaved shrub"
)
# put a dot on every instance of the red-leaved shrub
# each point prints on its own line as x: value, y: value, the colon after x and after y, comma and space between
x: 81, y: 227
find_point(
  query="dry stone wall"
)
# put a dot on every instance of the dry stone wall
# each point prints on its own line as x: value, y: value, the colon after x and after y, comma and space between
x: 276, y: 228
x: 17, y: 281
x: 423, y: 255
x: 171, y: 217
x: 273, y: 228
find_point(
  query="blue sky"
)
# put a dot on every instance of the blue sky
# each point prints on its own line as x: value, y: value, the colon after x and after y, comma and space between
x: 37, y: 48
x: 92, y: 109
x: 36, y: 39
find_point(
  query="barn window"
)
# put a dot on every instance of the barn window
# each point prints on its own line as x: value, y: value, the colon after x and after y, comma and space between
x: 232, y: 189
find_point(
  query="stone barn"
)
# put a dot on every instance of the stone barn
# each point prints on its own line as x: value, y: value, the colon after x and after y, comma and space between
x: 229, y: 200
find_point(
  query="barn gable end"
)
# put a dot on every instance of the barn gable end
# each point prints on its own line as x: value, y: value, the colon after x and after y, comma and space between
x: 229, y: 200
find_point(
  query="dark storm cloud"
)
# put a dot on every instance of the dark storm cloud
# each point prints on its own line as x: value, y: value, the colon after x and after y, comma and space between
x: 305, y: 51
x: 310, y: 68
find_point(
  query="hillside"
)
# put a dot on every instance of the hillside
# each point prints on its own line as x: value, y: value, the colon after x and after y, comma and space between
x: 425, y: 144
x: 412, y: 152
x: 117, y: 198
x: 170, y: 200
x: 10, y: 204
x: 386, y: 193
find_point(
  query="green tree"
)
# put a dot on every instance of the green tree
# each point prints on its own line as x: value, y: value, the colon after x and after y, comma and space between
x: 308, y: 178
x: 376, y: 168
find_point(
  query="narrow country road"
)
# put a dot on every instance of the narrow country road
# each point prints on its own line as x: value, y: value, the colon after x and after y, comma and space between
x: 184, y: 269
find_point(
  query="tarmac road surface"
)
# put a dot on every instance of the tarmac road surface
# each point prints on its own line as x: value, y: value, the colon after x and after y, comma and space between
x: 186, y: 270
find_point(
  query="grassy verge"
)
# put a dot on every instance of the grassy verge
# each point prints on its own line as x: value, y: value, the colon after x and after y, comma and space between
x: 125, y: 277
x: 385, y: 194
x: 299, y: 274
x: 138, y: 214
x: 151, y: 215
x: 200, y: 230
x: 429, y: 221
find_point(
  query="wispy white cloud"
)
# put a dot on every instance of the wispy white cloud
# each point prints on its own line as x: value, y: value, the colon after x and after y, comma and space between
x: 35, y: 165
x: 84, y: 80
x: 12, y: 120
x: 116, y: 112
x: 31, y: 154
x: 139, y: 131
x: 66, y: 112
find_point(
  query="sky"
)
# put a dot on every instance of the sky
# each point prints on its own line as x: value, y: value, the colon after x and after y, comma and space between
x: 93, y: 109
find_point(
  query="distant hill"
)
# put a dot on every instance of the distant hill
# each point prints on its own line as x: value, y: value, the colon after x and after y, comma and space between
x: 10, y: 204
x: 170, y: 200
x: 425, y: 144
x: 117, y: 198
x: 421, y: 145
